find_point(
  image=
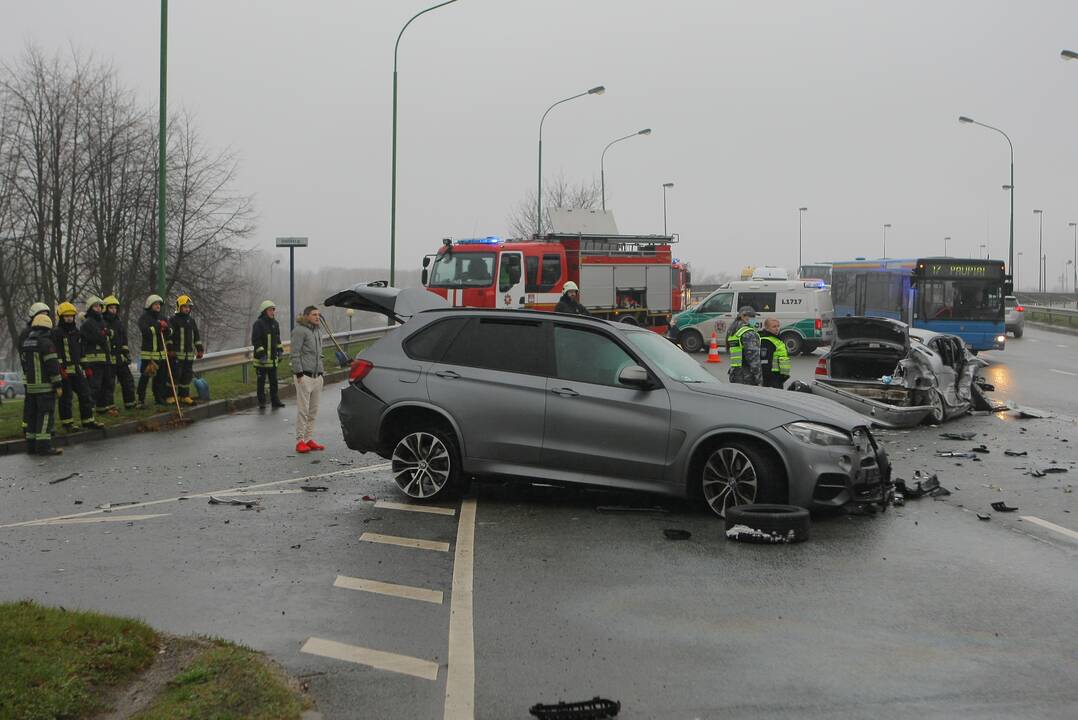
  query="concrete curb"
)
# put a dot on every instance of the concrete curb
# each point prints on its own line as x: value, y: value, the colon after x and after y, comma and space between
x: 165, y: 420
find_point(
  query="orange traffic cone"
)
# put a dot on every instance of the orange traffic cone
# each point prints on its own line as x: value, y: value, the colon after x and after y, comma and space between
x: 713, y: 351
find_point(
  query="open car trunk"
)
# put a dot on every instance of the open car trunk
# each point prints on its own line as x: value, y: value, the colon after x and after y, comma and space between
x: 864, y: 364
x: 400, y: 305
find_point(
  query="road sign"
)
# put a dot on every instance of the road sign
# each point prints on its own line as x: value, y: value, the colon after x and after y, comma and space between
x: 291, y: 242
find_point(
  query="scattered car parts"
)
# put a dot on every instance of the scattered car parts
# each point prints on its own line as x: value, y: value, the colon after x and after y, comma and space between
x: 767, y: 524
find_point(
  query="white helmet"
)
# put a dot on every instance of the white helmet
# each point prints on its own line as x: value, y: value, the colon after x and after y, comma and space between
x: 570, y: 286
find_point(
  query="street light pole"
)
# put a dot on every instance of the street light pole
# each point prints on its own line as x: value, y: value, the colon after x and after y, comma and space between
x: 1040, y: 251
x: 602, y: 161
x: 597, y: 90
x: 1018, y: 273
x: 666, y: 186
x: 1010, y: 249
x: 945, y: 245
x: 393, y: 181
x: 162, y: 123
x: 800, y: 214
x: 885, y: 226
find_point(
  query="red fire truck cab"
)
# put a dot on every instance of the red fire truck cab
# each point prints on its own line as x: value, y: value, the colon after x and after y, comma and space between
x: 629, y: 278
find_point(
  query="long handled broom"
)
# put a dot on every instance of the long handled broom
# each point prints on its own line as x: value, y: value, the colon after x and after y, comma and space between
x: 171, y: 379
x: 342, y: 357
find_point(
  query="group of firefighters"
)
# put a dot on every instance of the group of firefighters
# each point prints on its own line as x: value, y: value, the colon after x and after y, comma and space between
x: 63, y: 360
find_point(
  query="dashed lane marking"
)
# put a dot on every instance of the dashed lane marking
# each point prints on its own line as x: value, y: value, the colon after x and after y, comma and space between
x: 1064, y: 372
x: 403, y: 664
x: 460, y: 678
x: 405, y: 542
x: 432, y: 509
x: 1051, y: 526
x: 103, y: 518
x: 244, y: 488
x: 384, y: 588
x: 1063, y: 346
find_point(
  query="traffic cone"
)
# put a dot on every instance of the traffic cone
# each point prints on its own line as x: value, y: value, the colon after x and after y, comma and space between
x: 713, y: 351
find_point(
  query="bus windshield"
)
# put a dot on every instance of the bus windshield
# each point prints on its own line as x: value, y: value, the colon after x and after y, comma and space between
x: 961, y: 299
x: 463, y: 270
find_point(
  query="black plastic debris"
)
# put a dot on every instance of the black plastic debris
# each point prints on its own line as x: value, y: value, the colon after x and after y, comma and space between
x: 65, y: 477
x: 1001, y: 506
x: 630, y: 509
x: 1055, y: 470
x: 676, y: 534
x: 956, y: 454
x: 982, y: 449
x: 982, y: 516
x: 1015, y: 453
x: 958, y: 436
x: 246, y: 504
x: 587, y: 710
x: 313, y: 488
x: 921, y: 486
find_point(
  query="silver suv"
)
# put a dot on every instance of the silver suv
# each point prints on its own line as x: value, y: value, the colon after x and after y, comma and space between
x: 462, y: 392
x: 1016, y: 316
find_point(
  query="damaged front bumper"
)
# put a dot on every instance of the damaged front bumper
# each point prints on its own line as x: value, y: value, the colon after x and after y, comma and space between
x: 840, y: 475
x: 873, y: 400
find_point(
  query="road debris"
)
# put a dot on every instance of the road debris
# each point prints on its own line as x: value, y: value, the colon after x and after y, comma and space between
x: 593, y: 709
x: 1037, y: 471
x: 1001, y: 506
x: 110, y: 506
x: 957, y: 454
x: 1015, y: 453
x: 313, y: 488
x: 65, y: 477
x: 246, y: 504
x: 923, y: 484
x: 744, y: 533
x: 676, y: 534
x: 983, y: 449
x: 958, y: 436
x: 982, y: 516
x: 631, y: 509
x: 1027, y: 413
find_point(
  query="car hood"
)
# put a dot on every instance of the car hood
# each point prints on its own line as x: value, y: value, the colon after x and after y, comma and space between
x: 396, y: 303
x: 857, y: 330
x: 801, y: 405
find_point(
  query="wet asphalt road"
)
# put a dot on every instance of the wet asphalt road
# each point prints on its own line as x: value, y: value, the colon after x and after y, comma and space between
x: 925, y: 610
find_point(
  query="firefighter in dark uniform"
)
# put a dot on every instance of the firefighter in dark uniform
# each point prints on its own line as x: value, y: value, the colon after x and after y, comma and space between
x: 68, y: 344
x: 96, y: 354
x: 570, y: 301
x: 121, y: 355
x: 36, y: 309
x: 774, y: 358
x: 41, y: 368
x: 743, y: 344
x: 266, y: 338
x: 154, y: 331
x: 184, y: 347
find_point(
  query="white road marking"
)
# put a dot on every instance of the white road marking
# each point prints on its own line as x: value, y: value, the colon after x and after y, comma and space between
x: 460, y: 679
x: 432, y: 509
x: 247, y: 493
x: 384, y: 588
x: 103, y: 518
x: 1063, y: 372
x: 378, y: 659
x: 1063, y: 346
x: 405, y: 542
x: 305, y: 478
x: 1051, y: 526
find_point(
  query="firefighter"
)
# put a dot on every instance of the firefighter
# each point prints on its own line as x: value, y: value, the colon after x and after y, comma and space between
x: 120, y: 370
x: 774, y: 359
x: 36, y: 309
x: 154, y: 331
x: 184, y: 347
x: 570, y: 301
x: 68, y: 344
x: 96, y: 356
x: 743, y: 344
x: 41, y: 368
x: 266, y: 338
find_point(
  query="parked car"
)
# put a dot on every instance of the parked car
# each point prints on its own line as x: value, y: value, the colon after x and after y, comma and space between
x: 457, y: 393
x: 1016, y: 316
x: 898, y: 375
x: 11, y: 384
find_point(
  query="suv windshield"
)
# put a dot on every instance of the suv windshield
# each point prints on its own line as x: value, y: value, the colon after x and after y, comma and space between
x: 460, y: 270
x: 674, y: 363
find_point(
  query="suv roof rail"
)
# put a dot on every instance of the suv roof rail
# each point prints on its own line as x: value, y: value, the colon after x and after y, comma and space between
x: 518, y: 311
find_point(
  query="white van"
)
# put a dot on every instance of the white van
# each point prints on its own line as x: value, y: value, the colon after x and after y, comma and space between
x: 803, y: 308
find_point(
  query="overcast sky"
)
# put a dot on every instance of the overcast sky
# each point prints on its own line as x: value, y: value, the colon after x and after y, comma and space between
x: 847, y: 107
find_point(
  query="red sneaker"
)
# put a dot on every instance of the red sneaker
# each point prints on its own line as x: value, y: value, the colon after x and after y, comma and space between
x: 302, y: 447
x: 312, y: 445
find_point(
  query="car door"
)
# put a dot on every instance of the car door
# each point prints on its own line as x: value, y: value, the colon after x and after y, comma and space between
x: 596, y: 429
x: 492, y: 381
x: 716, y: 313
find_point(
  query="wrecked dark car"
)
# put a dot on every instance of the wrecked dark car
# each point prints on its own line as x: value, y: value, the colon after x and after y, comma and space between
x: 898, y: 375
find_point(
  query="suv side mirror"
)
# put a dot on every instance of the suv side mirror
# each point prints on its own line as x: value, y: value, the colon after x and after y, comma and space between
x: 426, y: 260
x: 635, y: 376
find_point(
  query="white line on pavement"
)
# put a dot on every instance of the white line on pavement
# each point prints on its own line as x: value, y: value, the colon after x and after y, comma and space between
x: 460, y: 679
x: 392, y: 662
x: 405, y: 542
x: 1063, y: 372
x: 305, y: 478
x: 1062, y: 346
x: 432, y: 509
x: 103, y: 518
x: 1051, y: 526
x: 384, y: 588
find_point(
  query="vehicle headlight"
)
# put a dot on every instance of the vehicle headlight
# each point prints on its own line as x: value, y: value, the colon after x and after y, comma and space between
x: 1001, y: 339
x: 817, y: 434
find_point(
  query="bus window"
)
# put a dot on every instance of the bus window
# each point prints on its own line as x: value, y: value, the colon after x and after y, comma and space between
x: 960, y: 300
x: 758, y: 301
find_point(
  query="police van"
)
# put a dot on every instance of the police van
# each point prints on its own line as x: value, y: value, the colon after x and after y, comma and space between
x: 803, y: 308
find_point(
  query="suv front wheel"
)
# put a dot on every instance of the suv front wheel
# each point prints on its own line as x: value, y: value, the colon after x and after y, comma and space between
x: 739, y: 473
x: 426, y: 463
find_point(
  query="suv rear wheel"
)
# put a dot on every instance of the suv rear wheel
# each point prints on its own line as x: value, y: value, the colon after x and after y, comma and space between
x: 735, y: 472
x: 426, y: 463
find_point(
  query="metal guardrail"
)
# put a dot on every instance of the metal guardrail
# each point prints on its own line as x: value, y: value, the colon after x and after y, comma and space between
x: 1062, y: 312
x: 1052, y: 315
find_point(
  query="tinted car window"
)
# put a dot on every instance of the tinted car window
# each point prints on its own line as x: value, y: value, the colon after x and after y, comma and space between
x: 510, y: 345
x: 431, y: 342
x: 586, y: 356
x: 758, y: 301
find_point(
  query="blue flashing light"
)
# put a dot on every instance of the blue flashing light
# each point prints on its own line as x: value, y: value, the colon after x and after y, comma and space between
x: 816, y: 284
x: 488, y: 240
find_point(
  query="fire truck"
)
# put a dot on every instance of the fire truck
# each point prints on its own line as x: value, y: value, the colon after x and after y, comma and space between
x: 627, y: 278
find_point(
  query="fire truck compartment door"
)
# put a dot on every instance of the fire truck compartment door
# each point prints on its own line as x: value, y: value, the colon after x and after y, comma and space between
x: 630, y: 277
x: 660, y: 292
x: 510, y: 280
x: 597, y: 285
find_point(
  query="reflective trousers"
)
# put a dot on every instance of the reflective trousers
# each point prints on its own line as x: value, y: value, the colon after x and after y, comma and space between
x: 267, y: 376
x: 75, y: 385
x: 159, y: 381
x: 121, y: 373
x: 38, y: 413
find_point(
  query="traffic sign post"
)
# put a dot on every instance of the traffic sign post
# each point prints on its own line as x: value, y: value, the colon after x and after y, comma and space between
x: 291, y: 243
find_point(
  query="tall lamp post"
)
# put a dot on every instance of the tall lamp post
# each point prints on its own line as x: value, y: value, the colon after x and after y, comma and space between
x: 602, y: 161
x: 885, y: 227
x: 162, y: 111
x: 1018, y: 273
x: 1040, y: 251
x: 666, y: 186
x: 393, y: 181
x: 1010, y: 248
x: 800, y: 215
x: 945, y: 241
x: 1074, y: 287
x: 597, y: 90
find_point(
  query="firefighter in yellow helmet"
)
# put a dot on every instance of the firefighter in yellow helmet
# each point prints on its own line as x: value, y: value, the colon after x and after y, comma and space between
x: 154, y: 331
x: 41, y: 369
x: 68, y: 344
x: 184, y: 347
x: 120, y: 370
x: 97, y: 353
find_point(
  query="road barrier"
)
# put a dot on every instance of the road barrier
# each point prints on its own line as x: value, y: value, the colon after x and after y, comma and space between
x: 1052, y: 315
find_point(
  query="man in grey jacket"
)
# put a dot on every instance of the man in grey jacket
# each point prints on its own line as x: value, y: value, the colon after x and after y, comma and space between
x: 308, y: 367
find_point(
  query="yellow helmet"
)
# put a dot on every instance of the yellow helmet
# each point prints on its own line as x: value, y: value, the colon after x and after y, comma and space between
x: 66, y: 308
x: 183, y: 300
x: 111, y: 300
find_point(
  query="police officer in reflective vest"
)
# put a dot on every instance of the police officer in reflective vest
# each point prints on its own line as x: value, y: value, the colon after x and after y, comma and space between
x: 743, y: 344
x: 41, y: 369
x: 266, y: 339
x: 184, y: 347
x: 154, y: 330
x: 120, y: 370
x: 68, y: 344
x: 774, y: 359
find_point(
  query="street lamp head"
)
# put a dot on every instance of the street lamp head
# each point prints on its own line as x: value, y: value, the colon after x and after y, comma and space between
x: 645, y: 131
x: 887, y: 225
x: 670, y: 185
x: 1069, y: 55
x: 802, y: 209
x: 964, y: 119
x: 1037, y: 212
x: 1008, y: 187
x: 1072, y: 224
x: 597, y: 90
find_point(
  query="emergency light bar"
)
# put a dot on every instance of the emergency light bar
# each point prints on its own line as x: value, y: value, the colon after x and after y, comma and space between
x: 489, y: 240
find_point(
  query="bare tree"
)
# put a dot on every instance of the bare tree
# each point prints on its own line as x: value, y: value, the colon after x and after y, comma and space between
x: 557, y: 193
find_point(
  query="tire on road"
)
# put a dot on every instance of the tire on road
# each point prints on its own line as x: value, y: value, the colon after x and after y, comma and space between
x: 767, y: 524
x: 794, y: 343
x: 691, y: 341
x: 426, y: 464
x: 758, y: 475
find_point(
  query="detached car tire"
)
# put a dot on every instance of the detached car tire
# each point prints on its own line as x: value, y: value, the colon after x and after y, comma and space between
x: 426, y: 464
x: 767, y: 524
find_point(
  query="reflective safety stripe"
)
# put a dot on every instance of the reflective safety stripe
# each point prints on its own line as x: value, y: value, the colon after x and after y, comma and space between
x: 733, y: 345
x: 780, y: 360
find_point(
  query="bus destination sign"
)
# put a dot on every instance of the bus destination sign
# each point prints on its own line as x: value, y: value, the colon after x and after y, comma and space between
x: 963, y: 269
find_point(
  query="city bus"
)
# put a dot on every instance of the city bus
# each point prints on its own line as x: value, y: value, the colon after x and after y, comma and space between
x: 816, y: 271
x: 957, y: 296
